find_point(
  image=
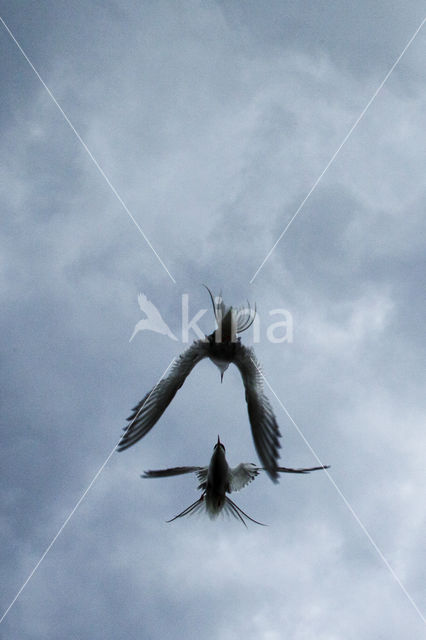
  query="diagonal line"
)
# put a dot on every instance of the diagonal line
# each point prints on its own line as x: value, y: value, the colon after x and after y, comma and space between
x: 345, y: 139
x: 80, y: 500
x: 86, y: 148
x: 345, y: 500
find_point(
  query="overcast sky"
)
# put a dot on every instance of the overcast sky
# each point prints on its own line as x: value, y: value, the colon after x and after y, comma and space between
x: 212, y: 121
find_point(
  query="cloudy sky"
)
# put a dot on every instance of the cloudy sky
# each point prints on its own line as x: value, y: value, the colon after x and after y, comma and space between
x: 212, y: 121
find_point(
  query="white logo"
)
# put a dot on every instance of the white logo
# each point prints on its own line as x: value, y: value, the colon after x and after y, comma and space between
x: 153, y: 320
x: 276, y: 332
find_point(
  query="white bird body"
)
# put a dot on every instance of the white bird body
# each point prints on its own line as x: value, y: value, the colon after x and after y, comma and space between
x: 222, y: 347
x: 217, y: 483
x: 217, y: 480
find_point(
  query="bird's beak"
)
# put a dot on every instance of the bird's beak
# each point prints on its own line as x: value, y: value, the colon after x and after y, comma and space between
x: 218, y: 440
x: 221, y: 376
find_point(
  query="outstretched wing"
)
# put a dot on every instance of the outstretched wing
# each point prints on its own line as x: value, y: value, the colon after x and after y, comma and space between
x: 242, y: 475
x: 173, y: 471
x: 307, y: 470
x: 152, y: 406
x: 264, y: 426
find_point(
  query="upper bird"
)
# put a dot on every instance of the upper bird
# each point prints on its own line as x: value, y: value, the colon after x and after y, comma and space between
x: 217, y: 480
x: 223, y: 346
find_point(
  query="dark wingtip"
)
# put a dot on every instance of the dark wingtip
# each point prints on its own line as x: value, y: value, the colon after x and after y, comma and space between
x: 273, y: 474
x: 122, y: 445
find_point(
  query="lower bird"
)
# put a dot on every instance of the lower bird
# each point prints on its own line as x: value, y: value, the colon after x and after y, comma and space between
x: 217, y: 480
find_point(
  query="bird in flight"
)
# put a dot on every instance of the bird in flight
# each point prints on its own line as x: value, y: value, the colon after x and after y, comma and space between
x: 223, y: 346
x: 217, y: 480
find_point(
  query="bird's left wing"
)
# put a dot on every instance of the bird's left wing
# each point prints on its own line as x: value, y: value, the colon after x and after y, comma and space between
x: 241, y: 475
x: 152, y: 406
x: 304, y: 470
x: 173, y: 471
x: 264, y: 426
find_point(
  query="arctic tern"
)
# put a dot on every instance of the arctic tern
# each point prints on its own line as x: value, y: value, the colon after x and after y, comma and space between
x: 223, y: 346
x: 217, y: 480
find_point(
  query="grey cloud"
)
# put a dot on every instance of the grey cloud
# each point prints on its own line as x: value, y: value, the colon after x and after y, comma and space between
x: 212, y: 122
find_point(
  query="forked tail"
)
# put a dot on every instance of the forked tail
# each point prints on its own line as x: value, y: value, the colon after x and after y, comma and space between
x: 233, y: 509
x: 229, y: 507
x: 240, y: 319
x: 193, y: 508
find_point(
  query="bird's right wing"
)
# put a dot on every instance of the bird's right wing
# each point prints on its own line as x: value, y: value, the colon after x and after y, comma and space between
x: 152, y: 406
x: 173, y: 471
x: 264, y: 426
x: 202, y: 477
x: 242, y: 475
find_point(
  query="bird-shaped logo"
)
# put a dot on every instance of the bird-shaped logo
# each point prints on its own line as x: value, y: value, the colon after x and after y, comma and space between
x: 153, y: 320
